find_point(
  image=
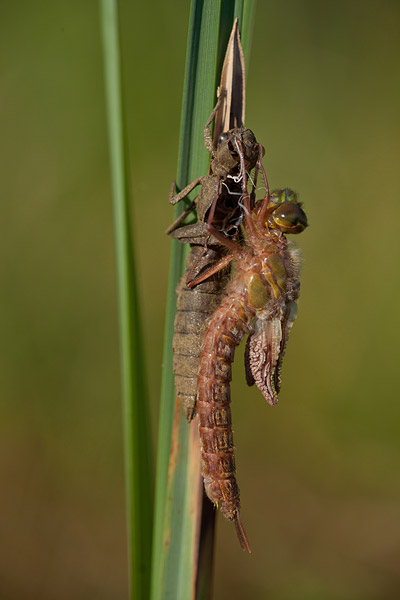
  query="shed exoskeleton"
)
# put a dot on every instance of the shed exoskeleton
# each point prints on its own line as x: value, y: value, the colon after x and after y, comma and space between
x: 219, y: 203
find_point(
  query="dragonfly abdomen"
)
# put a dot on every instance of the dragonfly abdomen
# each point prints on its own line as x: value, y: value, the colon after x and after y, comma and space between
x: 226, y: 329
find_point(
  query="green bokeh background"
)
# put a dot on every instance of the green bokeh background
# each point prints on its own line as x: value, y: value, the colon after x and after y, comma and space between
x: 319, y: 474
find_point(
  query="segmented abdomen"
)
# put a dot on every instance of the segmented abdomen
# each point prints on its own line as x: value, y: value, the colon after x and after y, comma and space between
x: 194, y: 307
x: 226, y: 329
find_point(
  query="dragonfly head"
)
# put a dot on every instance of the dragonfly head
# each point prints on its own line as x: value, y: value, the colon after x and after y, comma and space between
x: 226, y: 159
x: 285, y: 212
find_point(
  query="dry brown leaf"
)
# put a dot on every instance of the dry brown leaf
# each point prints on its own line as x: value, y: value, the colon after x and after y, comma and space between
x: 231, y: 112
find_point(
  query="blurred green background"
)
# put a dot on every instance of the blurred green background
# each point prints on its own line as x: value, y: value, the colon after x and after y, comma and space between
x: 319, y: 474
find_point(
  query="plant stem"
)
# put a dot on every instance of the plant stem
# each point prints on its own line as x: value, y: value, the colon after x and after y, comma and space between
x: 134, y: 391
x: 175, y: 567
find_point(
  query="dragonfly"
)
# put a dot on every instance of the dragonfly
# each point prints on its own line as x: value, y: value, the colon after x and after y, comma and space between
x: 260, y: 301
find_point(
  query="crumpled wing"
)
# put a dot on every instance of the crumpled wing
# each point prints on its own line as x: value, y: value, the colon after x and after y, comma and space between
x: 263, y: 348
x: 264, y: 353
x: 249, y: 375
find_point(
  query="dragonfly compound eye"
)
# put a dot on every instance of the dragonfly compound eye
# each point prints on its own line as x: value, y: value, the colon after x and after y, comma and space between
x: 224, y: 137
x: 248, y: 138
x: 289, y: 217
x: 280, y: 196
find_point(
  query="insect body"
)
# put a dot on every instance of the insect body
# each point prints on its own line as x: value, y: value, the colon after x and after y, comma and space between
x: 194, y: 307
x: 260, y: 301
x: 218, y: 204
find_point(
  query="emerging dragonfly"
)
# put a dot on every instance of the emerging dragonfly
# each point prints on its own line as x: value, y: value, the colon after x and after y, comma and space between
x: 261, y: 302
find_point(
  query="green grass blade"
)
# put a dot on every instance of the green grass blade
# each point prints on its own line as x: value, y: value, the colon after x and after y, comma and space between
x: 134, y: 392
x: 246, y: 26
x: 193, y: 161
x: 174, y: 566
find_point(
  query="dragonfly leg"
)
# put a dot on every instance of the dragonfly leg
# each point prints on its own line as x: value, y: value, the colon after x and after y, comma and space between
x: 264, y: 206
x: 208, y: 141
x: 181, y: 217
x: 221, y: 264
x: 186, y: 190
